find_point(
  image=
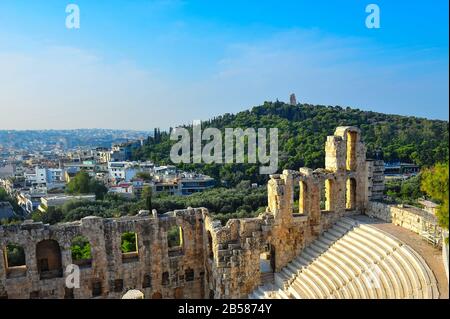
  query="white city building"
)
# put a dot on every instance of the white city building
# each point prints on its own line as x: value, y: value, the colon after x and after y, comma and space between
x: 45, y: 176
x: 126, y: 171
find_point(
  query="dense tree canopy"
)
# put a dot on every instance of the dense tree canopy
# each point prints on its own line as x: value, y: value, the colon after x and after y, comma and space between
x: 435, y: 185
x: 3, y: 195
x: 302, y: 134
x: 404, y: 191
x: 81, y: 248
x: 82, y: 183
x: 51, y: 215
x: 128, y: 242
x: 225, y: 203
x: 174, y: 236
x: 147, y: 196
x: 15, y: 255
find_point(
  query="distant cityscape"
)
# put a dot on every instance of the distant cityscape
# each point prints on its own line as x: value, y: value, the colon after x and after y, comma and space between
x: 35, y: 173
x: 14, y: 142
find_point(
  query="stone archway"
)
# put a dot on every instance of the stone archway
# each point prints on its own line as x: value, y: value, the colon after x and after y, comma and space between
x: 350, y: 194
x: 48, y: 257
x: 329, y: 194
x: 15, y: 261
x: 303, y: 204
x: 350, y: 162
x: 265, y: 265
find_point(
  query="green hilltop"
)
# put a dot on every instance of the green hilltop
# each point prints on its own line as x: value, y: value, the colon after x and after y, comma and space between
x: 303, y: 129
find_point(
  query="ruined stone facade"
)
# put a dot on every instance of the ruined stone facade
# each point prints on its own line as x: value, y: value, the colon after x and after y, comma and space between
x: 154, y: 269
x: 213, y: 261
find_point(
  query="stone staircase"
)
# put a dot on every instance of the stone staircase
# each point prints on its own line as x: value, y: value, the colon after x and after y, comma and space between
x: 353, y: 260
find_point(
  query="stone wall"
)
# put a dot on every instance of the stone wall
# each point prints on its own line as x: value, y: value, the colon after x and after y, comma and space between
x: 233, y: 266
x: 111, y: 273
x: 412, y: 218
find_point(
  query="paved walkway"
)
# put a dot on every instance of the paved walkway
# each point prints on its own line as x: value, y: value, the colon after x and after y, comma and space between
x: 432, y: 255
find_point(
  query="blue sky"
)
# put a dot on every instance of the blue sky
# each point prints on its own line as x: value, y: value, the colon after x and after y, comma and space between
x: 139, y: 64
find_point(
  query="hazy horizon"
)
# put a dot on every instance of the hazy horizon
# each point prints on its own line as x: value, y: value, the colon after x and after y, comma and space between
x: 150, y: 130
x: 145, y: 64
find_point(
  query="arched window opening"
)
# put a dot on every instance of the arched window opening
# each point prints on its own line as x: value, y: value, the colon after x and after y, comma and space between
x: 303, y: 198
x: 129, y: 247
x: 326, y: 195
x: 329, y: 201
x: 81, y: 251
x: 175, y: 237
x: 350, y: 194
x: 48, y: 256
x: 351, y: 151
x: 175, y: 240
x: 15, y: 261
x: 266, y: 265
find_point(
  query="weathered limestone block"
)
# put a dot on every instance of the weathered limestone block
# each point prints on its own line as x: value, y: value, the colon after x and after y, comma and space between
x: 133, y: 294
x: 412, y: 218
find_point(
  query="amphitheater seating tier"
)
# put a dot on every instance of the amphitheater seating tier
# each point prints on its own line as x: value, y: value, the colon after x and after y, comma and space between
x: 353, y: 260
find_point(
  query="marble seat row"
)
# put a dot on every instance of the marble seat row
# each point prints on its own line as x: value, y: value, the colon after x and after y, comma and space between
x: 353, y: 260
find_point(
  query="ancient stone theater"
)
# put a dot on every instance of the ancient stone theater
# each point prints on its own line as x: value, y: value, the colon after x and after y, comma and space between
x: 343, y: 241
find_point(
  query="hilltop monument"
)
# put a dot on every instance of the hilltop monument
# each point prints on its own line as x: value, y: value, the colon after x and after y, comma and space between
x: 292, y: 99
